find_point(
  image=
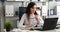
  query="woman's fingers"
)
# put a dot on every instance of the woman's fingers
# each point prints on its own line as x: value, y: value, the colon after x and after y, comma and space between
x: 36, y: 17
x: 29, y: 26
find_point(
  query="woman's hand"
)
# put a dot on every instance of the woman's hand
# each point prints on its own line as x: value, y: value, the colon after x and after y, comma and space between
x: 36, y: 17
x: 29, y: 26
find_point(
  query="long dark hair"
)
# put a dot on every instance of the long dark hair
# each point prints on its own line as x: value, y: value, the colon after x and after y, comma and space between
x: 30, y: 5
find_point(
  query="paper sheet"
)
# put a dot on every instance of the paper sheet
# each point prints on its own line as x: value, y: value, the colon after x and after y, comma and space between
x: 9, y: 10
x: 44, y: 10
x: 58, y: 10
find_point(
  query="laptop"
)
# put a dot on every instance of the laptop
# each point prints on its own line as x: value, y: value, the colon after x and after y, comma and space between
x: 49, y: 24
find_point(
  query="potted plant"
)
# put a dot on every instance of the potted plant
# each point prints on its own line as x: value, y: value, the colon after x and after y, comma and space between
x: 8, y: 25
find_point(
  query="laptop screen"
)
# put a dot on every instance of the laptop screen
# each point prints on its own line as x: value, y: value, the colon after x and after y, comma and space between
x: 50, y: 23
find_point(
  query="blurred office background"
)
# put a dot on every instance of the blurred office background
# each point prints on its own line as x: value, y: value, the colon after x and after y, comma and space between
x: 13, y: 9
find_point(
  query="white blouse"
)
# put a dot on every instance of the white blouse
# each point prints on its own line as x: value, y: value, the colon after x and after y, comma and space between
x: 32, y: 21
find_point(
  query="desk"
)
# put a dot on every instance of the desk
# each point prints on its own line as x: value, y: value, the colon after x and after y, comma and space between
x: 18, y: 30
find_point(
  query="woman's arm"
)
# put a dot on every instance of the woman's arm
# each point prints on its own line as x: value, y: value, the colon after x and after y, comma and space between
x: 40, y: 20
x: 20, y: 25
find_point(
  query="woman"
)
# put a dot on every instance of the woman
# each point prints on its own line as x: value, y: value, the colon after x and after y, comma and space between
x: 30, y: 18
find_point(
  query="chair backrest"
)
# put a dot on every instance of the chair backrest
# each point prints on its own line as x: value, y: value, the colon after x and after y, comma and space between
x: 21, y: 11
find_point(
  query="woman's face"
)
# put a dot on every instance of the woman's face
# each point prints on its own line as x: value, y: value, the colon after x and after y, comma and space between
x: 33, y: 9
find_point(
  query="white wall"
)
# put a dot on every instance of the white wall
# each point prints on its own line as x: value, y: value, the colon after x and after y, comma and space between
x: 58, y: 11
x: 52, y: 5
x: 58, y: 3
x: 15, y: 4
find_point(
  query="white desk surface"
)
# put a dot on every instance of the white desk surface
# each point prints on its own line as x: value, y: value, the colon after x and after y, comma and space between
x: 18, y: 30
